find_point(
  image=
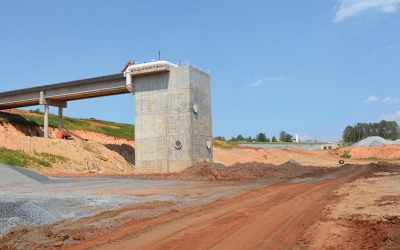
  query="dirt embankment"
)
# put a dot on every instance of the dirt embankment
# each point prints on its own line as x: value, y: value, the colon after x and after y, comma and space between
x: 276, y: 156
x: 390, y: 152
x: 82, y: 157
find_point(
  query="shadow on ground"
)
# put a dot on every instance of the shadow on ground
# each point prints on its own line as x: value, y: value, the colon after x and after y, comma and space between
x: 125, y: 150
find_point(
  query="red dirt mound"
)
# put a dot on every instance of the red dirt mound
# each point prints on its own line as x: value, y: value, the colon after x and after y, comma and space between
x: 239, y: 171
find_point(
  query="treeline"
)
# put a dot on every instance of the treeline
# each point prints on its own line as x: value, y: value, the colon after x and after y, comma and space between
x: 387, y: 129
x: 260, y: 137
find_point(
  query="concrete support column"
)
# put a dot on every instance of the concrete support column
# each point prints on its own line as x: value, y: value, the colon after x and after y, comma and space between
x: 46, y: 121
x: 60, y: 118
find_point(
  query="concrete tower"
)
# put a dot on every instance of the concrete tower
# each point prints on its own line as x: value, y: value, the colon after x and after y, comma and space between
x: 172, y: 120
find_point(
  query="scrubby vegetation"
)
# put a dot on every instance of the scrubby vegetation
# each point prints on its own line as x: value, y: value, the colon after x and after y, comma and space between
x: 346, y: 155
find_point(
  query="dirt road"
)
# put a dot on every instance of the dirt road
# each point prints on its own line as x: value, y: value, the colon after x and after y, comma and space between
x: 274, y: 217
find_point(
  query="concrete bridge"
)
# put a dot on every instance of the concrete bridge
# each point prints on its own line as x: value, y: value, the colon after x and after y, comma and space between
x: 172, y: 110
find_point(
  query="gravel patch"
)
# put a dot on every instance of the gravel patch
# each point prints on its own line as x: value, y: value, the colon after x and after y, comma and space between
x: 28, y: 198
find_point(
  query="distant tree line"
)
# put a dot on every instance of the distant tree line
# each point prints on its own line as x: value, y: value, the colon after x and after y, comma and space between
x: 387, y: 129
x: 260, y: 137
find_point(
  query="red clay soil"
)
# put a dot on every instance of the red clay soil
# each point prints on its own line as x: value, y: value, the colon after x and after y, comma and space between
x: 274, y: 217
x: 368, y: 234
x: 239, y: 172
x: 379, y: 152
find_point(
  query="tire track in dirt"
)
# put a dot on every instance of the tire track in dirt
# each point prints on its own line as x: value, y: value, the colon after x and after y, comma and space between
x: 273, y: 217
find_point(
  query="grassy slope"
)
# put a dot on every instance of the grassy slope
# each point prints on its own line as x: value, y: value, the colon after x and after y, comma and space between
x: 35, y: 118
x: 22, y: 159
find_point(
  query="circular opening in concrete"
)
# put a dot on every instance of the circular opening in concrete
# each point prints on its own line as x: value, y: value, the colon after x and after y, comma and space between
x: 178, y: 144
x: 195, y: 109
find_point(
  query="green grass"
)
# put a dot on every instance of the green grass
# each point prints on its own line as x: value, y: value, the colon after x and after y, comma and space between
x: 52, y: 158
x: 230, y: 145
x: 21, y: 159
x: 279, y: 142
x: 374, y: 158
x: 35, y: 118
x: 224, y: 144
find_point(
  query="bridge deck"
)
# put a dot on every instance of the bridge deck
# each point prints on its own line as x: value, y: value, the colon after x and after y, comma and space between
x: 65, y: 91
x: 72, y: 90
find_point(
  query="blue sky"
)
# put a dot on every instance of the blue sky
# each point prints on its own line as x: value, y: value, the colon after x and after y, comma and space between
x: 307, y: 68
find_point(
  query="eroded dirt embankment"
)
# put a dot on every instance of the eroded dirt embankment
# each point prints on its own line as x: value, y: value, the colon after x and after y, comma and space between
x: 390, y: 152
x: 100, y: 155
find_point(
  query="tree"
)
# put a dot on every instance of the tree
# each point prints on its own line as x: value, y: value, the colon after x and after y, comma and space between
x: 385, y: 129
x: 268, y: 140
x: 240, y: 138
x: 220, y: 138
x: 349, y: 134
x: 285, y: 137
x: 274, y: 139
x: 261, y: 137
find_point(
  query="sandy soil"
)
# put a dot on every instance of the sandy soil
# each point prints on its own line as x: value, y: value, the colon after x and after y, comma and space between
x: 365, y: 214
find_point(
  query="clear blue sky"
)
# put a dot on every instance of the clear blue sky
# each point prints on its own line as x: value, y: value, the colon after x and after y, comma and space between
x: 307, y: 67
